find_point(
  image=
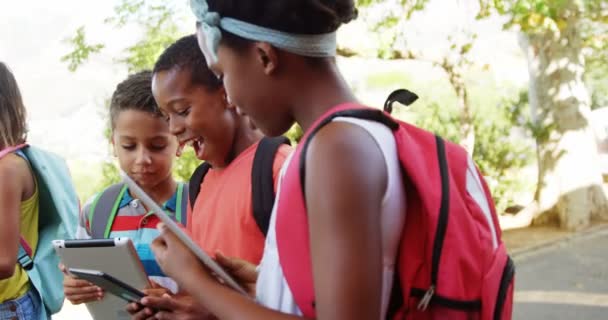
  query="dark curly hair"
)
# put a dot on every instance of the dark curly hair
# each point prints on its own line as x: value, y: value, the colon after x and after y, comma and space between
x: 134, y: 93
x: 293, y: 16
x: 185, y: 54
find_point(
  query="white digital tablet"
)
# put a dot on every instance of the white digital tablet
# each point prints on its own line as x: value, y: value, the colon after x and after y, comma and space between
x: 202, y: 256
x: 115, y: 256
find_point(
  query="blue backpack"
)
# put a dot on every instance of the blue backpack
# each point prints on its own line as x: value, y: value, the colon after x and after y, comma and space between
x: 58, y: 217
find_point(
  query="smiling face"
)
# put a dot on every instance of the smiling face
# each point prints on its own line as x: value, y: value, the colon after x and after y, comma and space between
x: 252, y: 82
x: 144, y: 146
x: 196, y: 115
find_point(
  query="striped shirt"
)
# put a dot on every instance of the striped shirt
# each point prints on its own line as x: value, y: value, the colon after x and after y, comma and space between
x: 135, y: 222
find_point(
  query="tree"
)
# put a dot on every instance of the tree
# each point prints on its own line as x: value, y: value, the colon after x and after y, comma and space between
x: 388, y: 26
x: 157, y: 21
x: 558, y: 36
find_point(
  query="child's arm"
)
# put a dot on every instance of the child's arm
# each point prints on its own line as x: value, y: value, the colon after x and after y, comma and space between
x: 346, y: 179
x: 345, y: 183
x: 182, y: 306
x: 11, y: 189
x: 180, y: 264
x: 79, y: 291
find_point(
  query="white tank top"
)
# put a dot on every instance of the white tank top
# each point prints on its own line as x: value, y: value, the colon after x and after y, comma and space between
x: 272, y: 289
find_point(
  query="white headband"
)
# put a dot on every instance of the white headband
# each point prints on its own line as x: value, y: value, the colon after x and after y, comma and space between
x: 321, y: 45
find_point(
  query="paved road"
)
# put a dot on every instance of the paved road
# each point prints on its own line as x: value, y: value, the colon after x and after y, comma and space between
x: 567, y: 281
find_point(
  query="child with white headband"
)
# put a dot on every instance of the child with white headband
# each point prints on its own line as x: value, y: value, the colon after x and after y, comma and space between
x: 277, y: 62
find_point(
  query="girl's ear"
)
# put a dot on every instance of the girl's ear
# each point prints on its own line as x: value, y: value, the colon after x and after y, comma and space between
x: 267, y: 57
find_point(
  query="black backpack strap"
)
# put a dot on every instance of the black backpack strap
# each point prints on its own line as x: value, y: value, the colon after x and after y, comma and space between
x: 194, y: 186
x: 262, y: 180
x: 103, y: 210
x: 364, y: 114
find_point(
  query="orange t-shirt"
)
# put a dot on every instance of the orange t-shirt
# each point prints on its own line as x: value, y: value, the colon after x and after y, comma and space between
x: 222, y: 217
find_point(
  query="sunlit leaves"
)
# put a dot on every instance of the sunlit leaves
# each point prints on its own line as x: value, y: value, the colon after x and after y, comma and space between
x: 81, y: 50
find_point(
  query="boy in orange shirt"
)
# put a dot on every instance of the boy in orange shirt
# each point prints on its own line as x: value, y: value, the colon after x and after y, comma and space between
x: 223, y: 218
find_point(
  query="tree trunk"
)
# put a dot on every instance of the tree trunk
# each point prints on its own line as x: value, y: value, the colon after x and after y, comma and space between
x: 569, y: 189
x: 467, y: 130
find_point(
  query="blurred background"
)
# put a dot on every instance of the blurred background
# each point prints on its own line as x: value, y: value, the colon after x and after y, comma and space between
x: 520, y: 83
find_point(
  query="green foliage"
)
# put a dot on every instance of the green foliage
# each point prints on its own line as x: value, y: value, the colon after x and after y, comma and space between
x: 81, y: 50
x: 295, y: 134
x: 409, y: 6
x: 155, y: 18
x: 160, y: 30
x: 387, y: 79
x: 109, y: 173
x: 597, y: 83
x: 597, y: 64
x: 499, y: 153
x: 534, y: 16
x: 184, y: 166
x: 182, y: 169
x: 157, y: 21
x: 385, y: 19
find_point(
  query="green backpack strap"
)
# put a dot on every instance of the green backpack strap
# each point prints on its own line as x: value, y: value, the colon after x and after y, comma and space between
x: 181, y: 205
x: 104, y: 209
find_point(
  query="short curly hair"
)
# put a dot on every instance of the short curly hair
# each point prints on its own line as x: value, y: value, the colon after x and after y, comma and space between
x: 134, y: 93
x: 185, y: 54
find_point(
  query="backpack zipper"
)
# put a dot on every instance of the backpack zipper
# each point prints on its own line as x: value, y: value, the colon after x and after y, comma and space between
x: 442, y: 224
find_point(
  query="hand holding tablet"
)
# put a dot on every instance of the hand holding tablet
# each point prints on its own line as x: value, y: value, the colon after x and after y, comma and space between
x: 213, y: 266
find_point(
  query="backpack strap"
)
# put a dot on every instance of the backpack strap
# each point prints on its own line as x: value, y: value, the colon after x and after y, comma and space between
x: 24, y: 255
x: 352, y: 112
x: 11, y: 149
x: 181, y: 205
x: 262, y: 180
x: 104, y: 209
x: 194, y: 186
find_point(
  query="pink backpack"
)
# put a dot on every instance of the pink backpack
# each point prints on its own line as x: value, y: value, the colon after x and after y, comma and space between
x: 451, y: 264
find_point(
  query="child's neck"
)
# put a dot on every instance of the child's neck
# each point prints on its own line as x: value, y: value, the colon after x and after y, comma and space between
x: 245, y: 137
x: 324, y: 88
x: 163, y: 191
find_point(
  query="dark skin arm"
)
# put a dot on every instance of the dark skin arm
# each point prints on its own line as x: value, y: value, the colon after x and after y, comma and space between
x: 16, y: 183
x: 345, y: 235
x: 347, y: 273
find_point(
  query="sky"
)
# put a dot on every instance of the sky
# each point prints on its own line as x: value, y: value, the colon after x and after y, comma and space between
x: 66, y: 111
x: 62, y: 106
